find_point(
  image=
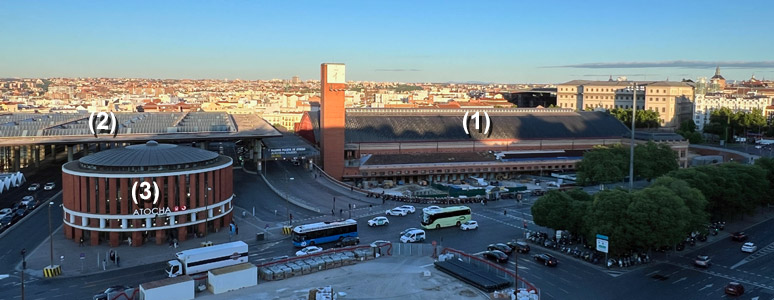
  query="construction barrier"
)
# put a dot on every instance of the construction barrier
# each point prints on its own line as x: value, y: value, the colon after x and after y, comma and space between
x: 52, y: 271
x: 286, y: 230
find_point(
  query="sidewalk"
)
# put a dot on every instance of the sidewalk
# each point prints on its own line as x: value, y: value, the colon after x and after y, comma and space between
x: 73, y: 266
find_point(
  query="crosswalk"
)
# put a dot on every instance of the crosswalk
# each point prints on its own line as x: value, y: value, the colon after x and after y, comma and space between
x: 755, y: 255
x: 713, y: 271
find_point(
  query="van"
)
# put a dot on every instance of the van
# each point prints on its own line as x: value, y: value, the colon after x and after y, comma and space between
x: 413, y: 236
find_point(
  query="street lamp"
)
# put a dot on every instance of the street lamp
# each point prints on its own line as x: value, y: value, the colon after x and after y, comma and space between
x: 206, y: 209
x: 24, y: 266
x: 50, y: 233
x: 631, y: 150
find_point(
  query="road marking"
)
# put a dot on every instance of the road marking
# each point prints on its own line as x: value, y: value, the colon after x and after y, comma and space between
x: 681, y: 279
x: 427, y: 265
x: 651, y: 273
x: 706, y: 286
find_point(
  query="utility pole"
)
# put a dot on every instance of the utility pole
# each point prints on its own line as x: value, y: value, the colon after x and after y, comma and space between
x: 631, y: 148
x: 24, y: 266
x: 50, y: 233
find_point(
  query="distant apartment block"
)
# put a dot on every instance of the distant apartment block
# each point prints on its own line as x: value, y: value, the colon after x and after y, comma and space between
x: 706, y: 104
x: 668, y: 98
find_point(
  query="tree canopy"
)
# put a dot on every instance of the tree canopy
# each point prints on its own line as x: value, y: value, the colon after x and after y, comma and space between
x: 610, y: 164
x: 645, y: 118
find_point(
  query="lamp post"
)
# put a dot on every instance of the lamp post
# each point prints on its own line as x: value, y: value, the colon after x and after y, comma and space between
x: 206, y: 209
x: 24, y: 266
x: 631, y: 150
x: 50, y: 233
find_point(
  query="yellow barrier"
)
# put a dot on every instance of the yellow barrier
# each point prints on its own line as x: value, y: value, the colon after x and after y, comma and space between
x: 54, y: 271
x: 286, y: 230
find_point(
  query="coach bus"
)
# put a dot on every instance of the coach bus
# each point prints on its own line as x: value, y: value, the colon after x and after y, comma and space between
x: 445, y: 217
x: 323, y: 232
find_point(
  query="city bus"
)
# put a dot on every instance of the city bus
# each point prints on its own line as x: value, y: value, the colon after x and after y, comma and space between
x: 323, y: 232
x: 445, y: 217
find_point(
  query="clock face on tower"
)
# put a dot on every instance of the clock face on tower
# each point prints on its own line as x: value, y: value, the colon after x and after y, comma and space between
x: 336, y: 74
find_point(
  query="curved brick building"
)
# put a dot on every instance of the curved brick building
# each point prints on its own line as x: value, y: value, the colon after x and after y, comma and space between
x: 177, y: 191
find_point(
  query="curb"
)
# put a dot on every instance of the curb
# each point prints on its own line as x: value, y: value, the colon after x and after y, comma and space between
x: 37, y: 209
x: 288, y: 198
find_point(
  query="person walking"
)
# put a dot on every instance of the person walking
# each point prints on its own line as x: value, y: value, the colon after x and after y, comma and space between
x: 333, y: 213
x: 81, y: 242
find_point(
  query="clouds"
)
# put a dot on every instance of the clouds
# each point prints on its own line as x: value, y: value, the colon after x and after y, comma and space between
x: 397, y: 70
x: 687, y: 64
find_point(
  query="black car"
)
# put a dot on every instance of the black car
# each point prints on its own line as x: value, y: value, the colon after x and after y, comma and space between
x: 518, y: 246
x: 739, y: 236
x: 19, y: 214
x: 500, y: 247
x: 6, y: 221
x: 496, y: 256
x: 348, y: 241
x: 546, y: 259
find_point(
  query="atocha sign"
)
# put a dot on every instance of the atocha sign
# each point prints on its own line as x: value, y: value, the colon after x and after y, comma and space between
x: 286, y: 151
x: 157, y: 210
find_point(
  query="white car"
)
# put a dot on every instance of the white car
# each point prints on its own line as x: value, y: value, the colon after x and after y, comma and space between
x: 408, y: 208
x: 469, y: 225
x: 34, y: 187
x: 433, y: 207
x: 397, y: 212
x: 749, y: 247
x: 414, y: 236
x: 309, y: 250
x: 378, y: 221
x: 29, y: 202
x: 5, y: 211
x: 49, y: 186
x: 408, y: 230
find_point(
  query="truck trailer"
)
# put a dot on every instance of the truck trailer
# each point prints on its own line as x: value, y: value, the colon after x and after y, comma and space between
x: 196, y: 262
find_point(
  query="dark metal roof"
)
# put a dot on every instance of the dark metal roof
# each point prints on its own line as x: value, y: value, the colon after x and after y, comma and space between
x: 148, y: 155
x: 401, y: 125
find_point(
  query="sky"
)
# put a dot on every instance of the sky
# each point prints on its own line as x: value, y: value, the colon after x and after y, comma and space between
x: 405, y: 41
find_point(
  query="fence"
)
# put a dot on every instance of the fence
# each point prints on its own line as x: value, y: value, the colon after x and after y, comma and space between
x: 285, y: 267
x: 494, y: 268
x: 407, y: 249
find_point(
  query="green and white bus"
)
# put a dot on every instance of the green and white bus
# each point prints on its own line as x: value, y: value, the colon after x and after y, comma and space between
x: 445, y: 217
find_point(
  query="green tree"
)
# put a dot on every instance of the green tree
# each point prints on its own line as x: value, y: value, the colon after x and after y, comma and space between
x: 656, y: 217
x: 645, y: 118
x: 551, y: 210
x: 607, y: 215
x: 652, y: 160
x: 693, y: 198
x: 688, y: 131
x: 603, y: 164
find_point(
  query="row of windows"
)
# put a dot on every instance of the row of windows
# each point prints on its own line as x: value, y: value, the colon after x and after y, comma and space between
x: 500, y: 169
x: 610, y: 106
x: 103, y: 190
x: 656, y: 99
x: 149, y: 168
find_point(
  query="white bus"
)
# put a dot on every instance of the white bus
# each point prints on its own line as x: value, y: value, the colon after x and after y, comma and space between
x: 323, y: 232
x: 445, y: 217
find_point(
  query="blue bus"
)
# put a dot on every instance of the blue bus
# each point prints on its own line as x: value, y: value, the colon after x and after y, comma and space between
x: 323, y: 232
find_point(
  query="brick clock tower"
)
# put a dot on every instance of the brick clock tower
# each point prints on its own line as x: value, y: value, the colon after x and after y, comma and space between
x: 332, y: 117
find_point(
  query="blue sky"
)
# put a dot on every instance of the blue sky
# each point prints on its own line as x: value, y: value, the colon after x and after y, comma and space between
x: 409, y: 41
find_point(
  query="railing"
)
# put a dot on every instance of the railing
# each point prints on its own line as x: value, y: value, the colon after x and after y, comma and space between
x: 497, y: 269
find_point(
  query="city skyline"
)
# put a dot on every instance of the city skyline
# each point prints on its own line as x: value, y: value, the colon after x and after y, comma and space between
x: 402, y: 42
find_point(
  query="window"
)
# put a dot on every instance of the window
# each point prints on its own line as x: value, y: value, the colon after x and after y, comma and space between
x: 663, y: 109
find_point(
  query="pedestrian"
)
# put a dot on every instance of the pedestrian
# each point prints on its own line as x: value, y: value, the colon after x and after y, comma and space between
x: 333, y: 213
x: 81, y: 242
x: 352, y: 188
x: 118, y: 261
x: 505, y: 212
x: 525, y: 224
x: 174, y: 242
x: 129, y: 240
x: 237, y: 229
x: 104, y: 265
x: 267, y: 226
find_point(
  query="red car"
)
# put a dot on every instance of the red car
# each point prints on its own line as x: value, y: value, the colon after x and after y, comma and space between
x: 734, y: 289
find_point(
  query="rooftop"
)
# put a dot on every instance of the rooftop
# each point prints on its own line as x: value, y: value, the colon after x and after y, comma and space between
x: 148, y: 155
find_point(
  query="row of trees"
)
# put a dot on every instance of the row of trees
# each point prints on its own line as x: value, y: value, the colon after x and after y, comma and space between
x: 680, y: 202
x: 725, y: 123
x: 645, y: 118
x: 606, y: 164
x: 660, y: 215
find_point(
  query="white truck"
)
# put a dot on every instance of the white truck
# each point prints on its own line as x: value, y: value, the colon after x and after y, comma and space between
x: 178, y: 288
x: 196, y: 262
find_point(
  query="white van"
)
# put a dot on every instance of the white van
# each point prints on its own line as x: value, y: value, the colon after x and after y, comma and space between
x: 413, y: 236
